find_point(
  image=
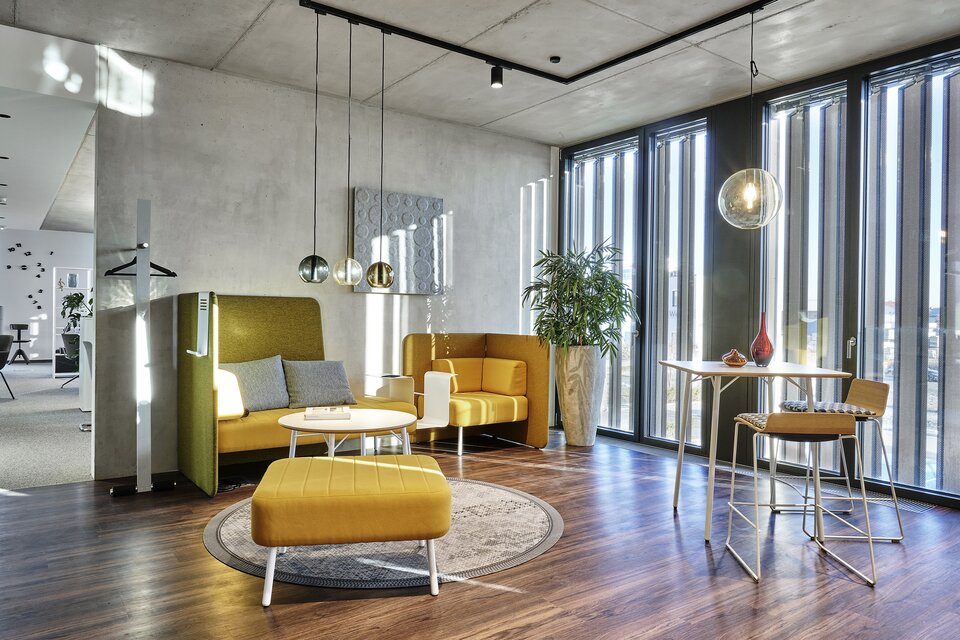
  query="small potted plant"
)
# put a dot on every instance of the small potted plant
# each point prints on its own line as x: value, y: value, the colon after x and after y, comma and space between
x: 580, y: 302
x: 74, y: 307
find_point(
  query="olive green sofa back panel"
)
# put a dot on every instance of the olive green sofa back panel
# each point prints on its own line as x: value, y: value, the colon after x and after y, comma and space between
x: 241, y: 328
x: 197, y: 398
x: 255, y: 327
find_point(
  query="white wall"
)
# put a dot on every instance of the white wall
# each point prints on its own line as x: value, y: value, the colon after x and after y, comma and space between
x: 227, y: 163
x: 70, y: 249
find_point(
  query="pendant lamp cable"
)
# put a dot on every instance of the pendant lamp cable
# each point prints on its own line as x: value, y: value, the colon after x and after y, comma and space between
x: 383, y: 65
x: 754, y: 72
x: 316, y: 111
x: 349, y: 132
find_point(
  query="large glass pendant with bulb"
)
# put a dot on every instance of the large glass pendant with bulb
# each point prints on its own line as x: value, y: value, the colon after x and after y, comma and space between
x: 348, y: 271
x: 750, y: 198
x: 314, y: 269
x: 380, y: 274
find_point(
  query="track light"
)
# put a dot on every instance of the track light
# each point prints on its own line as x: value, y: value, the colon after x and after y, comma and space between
x: 496, y: 77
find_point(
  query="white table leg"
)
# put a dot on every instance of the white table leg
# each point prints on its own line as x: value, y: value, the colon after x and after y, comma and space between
x: 714, y: 426
x: 293, y: 444
x: 363, y: 444
x: 808, y: 385
x: 405, y: 436
x: 331, y: 444
x: 774, y: 444
x: 684, y: 419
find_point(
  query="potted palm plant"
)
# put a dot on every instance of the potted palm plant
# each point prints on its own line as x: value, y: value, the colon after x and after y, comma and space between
x: 580, y: 302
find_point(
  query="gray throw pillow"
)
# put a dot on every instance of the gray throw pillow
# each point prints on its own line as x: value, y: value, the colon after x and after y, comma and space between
x: 317, y: 383
x: 261, y: 383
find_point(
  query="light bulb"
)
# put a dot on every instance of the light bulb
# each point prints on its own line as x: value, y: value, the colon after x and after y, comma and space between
x: 750, y: 195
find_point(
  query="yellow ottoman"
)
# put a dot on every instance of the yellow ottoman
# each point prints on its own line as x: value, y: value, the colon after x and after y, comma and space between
x: 350, y: 499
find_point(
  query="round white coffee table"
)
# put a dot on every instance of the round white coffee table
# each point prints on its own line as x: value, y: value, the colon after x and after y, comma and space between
x: 361, y: 421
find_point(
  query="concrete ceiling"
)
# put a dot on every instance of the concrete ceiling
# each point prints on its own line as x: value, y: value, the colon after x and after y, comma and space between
x: 72, y: 209
x: 273, y: 40
x: 39, y: 141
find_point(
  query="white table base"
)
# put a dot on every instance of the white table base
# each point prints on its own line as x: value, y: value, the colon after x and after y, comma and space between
x: 718, y: 389
x: 332, y: 444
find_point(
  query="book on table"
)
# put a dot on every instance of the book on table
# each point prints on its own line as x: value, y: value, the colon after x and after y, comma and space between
x: 340, y: 412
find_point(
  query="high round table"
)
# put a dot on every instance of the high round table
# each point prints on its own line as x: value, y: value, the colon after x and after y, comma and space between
x: 361, y: 421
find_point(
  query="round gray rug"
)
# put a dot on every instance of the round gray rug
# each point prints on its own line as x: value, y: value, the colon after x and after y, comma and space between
x: 492, y: 528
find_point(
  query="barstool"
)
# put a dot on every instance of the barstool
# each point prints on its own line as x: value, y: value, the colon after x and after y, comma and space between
x: 20, y: 353
x: 866, y: 401
x: 813, y: 429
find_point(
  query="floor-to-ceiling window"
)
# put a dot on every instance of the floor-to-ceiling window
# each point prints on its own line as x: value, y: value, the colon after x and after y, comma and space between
x: 677, y: 205
x: 803, y: 248
x: 860, y: 271
x: 601, y: 200
x: 910, y: 287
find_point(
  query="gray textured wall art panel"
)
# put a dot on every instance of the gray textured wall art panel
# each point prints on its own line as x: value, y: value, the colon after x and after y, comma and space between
x: 413, y: 227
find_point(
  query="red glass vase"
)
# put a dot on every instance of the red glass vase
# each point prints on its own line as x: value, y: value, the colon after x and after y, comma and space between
x: 761, y: 348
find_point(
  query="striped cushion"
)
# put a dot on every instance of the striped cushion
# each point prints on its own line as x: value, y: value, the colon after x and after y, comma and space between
x: 756, y: 420
x: 827, y: 407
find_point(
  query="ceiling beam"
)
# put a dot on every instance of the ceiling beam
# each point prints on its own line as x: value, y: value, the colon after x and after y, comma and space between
x: 492, y: 60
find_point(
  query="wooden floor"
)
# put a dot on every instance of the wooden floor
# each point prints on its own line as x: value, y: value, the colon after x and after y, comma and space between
x: 76, y: 563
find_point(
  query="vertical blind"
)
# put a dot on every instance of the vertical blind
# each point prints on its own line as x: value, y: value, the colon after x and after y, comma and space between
x: 678, y: 182
x: 911, y: 264
x: 803, y: 248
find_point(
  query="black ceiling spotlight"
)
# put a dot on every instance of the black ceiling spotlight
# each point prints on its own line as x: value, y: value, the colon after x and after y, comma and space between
x: 501, y: 63
x: 555, y: 59
x: 496, y: 76
x: 5, y: 115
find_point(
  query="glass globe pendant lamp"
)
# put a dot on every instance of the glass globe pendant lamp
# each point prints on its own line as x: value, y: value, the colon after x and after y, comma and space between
x: 347, y: 272
x: 750, y: 199
x: 314, y: 269
x: 380, y: 275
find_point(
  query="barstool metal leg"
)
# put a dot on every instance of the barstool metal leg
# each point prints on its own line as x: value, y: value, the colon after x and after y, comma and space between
x: 733, y: 506
x: 893, y: 490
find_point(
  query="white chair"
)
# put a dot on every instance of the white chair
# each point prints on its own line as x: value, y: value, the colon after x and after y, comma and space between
x: 436, y: 404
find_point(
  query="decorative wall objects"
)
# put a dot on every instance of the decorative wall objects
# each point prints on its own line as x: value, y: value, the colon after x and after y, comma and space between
x: 413, y: 227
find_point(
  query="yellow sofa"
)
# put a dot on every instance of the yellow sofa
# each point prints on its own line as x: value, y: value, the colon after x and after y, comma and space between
x: 502, y: 381
x: 243, y: 328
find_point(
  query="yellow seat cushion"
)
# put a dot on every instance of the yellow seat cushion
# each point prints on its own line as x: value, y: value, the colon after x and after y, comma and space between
x: 469, y: 372
x: 481, y: 407
x: 508, y: 377
x: 261, y: 429
x: 349, y: 499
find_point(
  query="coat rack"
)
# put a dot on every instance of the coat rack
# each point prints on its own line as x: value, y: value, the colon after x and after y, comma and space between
x: 144, y: 387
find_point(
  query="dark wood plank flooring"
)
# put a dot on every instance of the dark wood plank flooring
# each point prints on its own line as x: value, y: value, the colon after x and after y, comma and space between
x: 76, y: 563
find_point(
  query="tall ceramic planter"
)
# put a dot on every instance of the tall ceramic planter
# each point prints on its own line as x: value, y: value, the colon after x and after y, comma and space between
x: 580, y: 387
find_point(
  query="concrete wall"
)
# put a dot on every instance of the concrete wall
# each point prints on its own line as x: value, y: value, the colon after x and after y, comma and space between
x: 74, y: 250
x: 227, y: 163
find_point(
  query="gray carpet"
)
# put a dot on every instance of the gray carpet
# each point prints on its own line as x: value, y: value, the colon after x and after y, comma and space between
x: 40, y: 443
x: 492, y: 528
